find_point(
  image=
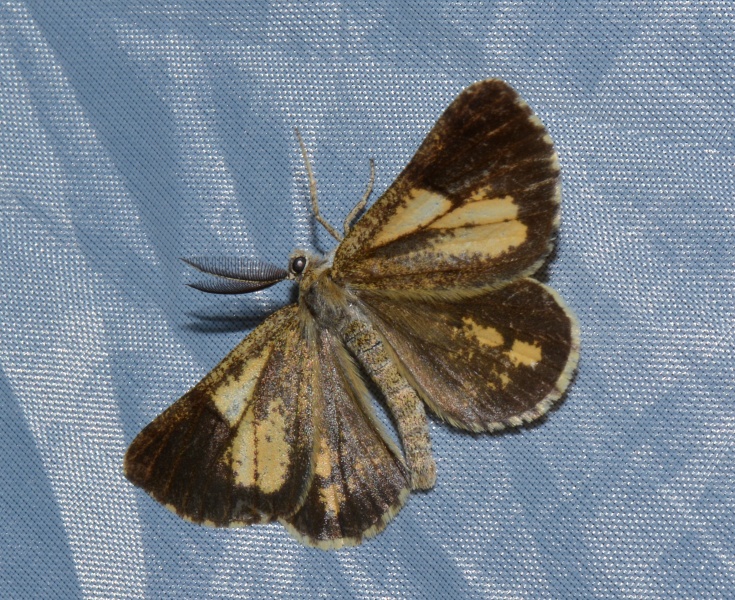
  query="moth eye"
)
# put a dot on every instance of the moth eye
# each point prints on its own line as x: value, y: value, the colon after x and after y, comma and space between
x: 298, y: 265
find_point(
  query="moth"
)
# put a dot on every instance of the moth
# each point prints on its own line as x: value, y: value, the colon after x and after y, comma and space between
x: 428, y: 296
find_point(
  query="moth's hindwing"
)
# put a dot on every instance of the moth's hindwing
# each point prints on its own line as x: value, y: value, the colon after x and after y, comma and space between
x: 494, y: 360
x: 237, y: 448
x: 360, y: 479
x: 476, y: 206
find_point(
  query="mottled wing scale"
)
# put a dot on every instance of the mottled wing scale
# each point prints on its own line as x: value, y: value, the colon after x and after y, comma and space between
x: 360, y: 479
x: 237, y: 448
x: 500, y: 358
x: 476, y: 206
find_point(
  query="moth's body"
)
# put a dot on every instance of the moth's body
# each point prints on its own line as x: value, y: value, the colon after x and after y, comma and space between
x: 428, y: 296
x: 321, y: 301
x: 325, y: 305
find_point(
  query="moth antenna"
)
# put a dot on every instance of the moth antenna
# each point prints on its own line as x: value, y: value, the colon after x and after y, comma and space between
x: 363, y: 201
x: 312, y: 190
x: 233, y: 274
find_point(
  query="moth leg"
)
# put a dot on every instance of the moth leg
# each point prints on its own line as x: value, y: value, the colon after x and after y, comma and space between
x: 363, y: 201
x: 312, y: 191
x: 403, y: 402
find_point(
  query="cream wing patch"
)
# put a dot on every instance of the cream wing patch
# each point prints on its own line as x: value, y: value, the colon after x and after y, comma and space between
x: 419, y: 209
x: 487, y: 336
x: 479, y: 212
x: 525, y: 354
x: 332, y: 497
x: 260, y: 450
x: 323, y: 463
x: 234, y: 393
x: 490, y: 240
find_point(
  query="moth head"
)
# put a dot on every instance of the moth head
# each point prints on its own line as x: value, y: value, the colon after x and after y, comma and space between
x: 298, y: 263
x: 304, y: 267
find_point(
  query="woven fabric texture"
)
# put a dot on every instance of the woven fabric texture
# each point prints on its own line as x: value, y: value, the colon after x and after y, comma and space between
x: 137, y: 132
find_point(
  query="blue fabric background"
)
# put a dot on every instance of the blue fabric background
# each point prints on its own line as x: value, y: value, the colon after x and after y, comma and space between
x: 133, y: 133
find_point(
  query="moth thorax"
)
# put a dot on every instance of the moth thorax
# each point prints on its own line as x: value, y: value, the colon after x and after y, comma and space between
x: 327, y: 302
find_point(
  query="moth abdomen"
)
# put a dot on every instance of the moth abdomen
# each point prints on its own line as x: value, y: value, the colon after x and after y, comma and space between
x: 404, y: 404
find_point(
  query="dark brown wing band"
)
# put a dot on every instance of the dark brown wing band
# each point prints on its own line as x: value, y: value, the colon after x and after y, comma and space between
x: 237, y: 448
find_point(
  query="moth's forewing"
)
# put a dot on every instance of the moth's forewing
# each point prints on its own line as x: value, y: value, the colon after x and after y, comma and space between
x: 476, y: 206
x: 440, y: 262
x: 279, y: 429
x: 360, y: 480
x: 496, y: 359
x: 237, y: 448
